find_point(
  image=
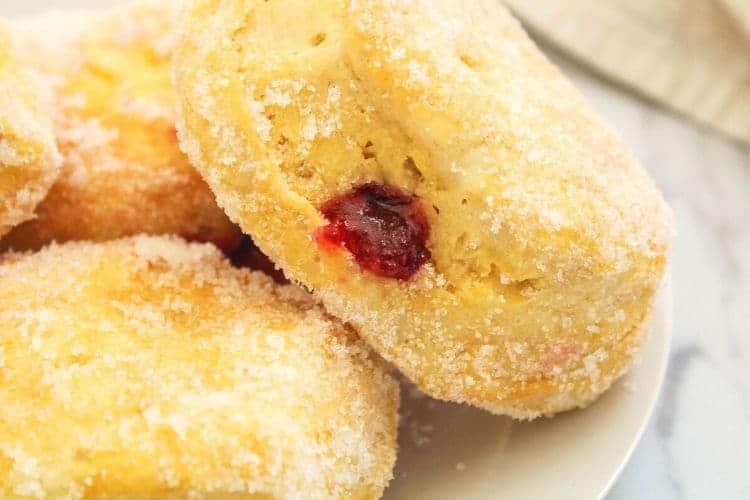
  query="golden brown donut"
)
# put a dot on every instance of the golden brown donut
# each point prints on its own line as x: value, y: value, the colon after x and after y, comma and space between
x: 151, y: 368
x: 437, y: 184
x: 123, y: 171
x: 29, y: 160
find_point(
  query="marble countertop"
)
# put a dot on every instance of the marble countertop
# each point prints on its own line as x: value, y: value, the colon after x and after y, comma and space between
x: 697, y: 444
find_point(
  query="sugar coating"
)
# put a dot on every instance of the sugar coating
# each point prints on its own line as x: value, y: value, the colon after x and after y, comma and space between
x: 114, y: 113
x: 548, y: 240
x: 29, y: 160
x: 151, y: 368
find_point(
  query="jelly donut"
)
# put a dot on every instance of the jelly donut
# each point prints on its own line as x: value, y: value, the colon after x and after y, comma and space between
x: 29, y: 161
x: 437, y: 184
x: 123, y: 172
x: 149, y: 367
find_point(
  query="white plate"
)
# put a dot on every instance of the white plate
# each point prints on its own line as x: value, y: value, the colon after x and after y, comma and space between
x: 451, y: 451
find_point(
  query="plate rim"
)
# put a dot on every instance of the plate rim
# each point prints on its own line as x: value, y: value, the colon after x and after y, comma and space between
x: 668, y: 327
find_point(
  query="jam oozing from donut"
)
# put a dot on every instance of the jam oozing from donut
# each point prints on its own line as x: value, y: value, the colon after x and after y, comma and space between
x: 385, y: 229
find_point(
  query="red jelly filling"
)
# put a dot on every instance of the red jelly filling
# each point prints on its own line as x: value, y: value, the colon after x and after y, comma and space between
x: 385, y: 229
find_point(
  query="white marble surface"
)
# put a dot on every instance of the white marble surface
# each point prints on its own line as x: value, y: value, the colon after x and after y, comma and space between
x: 697, y: 445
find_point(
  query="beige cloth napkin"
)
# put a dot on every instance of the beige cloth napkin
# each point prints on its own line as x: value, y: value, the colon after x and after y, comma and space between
x: 690, y: 55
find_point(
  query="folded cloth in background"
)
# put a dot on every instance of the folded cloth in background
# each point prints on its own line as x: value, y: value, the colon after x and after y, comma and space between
x: 690, y: 55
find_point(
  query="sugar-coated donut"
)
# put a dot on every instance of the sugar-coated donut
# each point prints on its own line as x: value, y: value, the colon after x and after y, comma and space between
x: 437, y: 184
x: 29, y: 161
x: 151, y: 368
x: 123, y: 171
